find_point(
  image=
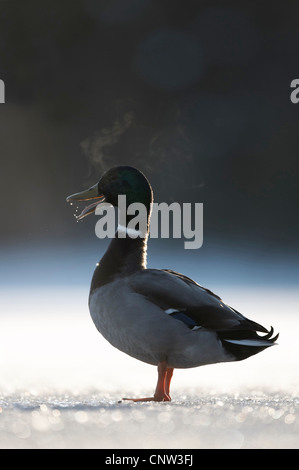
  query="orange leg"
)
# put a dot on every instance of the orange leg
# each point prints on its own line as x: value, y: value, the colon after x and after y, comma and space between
x: 163, y: 385
x: 169, y: 374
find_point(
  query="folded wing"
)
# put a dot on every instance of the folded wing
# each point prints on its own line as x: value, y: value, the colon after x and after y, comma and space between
x: 197, y: 307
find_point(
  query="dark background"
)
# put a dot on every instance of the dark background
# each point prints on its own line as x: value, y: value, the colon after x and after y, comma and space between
x: 194, y: 93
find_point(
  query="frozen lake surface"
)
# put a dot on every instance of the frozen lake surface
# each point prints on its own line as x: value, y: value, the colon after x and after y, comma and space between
x: 61, y: 382
x: 208, y: 421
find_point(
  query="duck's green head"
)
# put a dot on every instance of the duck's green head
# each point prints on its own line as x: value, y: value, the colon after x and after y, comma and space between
x: 118, y: 181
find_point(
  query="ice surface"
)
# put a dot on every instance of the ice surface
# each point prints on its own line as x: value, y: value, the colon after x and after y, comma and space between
x: 98, y: 421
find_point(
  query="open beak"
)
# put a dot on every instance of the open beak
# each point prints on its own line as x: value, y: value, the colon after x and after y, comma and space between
x: 90, y: 194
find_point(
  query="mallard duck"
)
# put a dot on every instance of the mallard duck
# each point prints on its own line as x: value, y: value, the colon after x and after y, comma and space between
x: 159, y: 316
